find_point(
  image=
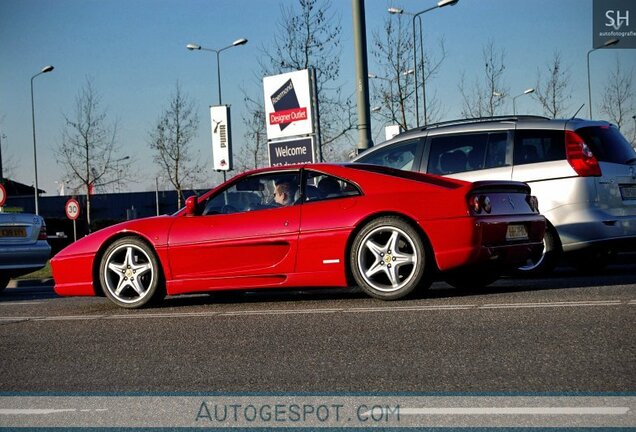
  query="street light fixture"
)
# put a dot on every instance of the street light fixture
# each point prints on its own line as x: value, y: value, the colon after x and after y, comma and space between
x: 193, y: 47
x: 398, y: 11
x: 390, y: 81
x: 514, y: 106
x: 608, y: 43
x: 44, y: 70
x: 118, y: 172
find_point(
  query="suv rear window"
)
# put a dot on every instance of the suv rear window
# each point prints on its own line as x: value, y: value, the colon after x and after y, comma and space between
x: 608, y: 144
x: 532, y: 146
x: 400, y: 156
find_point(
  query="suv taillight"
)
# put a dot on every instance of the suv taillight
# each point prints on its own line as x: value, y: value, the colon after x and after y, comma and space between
x: 42, y: 234
x: 580, y: 156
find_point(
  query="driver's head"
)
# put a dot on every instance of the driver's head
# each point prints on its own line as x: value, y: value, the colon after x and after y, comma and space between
x: 283, y: 193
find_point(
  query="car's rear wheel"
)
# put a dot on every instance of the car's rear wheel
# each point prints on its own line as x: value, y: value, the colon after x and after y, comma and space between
x: 130, y: 274
x: 388, y: 259
x: 549, y: 258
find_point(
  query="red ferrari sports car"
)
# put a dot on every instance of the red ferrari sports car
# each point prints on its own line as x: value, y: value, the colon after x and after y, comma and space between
x: 388, y: 231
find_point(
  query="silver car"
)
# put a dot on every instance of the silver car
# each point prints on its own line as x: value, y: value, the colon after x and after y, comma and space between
x: 582, y: 172
x: 23, y: 245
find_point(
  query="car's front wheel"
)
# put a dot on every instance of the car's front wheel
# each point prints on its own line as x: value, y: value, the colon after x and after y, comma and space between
x: 130, y: 273
x: 388, y: 259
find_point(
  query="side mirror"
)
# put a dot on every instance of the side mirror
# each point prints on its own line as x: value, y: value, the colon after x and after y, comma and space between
x: 191, y: 206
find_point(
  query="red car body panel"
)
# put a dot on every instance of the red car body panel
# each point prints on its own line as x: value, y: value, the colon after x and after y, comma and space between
x: 306, y: 244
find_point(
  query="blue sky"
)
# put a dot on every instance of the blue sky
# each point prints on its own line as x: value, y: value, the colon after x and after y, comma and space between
x: 134, y: 53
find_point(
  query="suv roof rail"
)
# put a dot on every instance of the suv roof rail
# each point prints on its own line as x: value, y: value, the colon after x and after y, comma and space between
x: 484, y: 120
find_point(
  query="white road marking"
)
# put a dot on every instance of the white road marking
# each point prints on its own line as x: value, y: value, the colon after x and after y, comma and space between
x: 20, y: 303
x: 551, y: 304
x: 45, y: 411
x: 485, y: 411
x: 379, y: 309
x: 33, y: 411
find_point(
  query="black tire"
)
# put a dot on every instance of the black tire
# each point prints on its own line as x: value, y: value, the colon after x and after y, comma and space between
x: 130, y: 274
x: 548, y: 260
x: 388, y: 259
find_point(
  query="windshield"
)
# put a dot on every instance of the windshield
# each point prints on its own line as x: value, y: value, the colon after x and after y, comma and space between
x: 608, y: 144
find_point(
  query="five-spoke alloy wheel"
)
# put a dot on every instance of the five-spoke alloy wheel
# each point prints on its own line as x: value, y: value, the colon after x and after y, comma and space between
x: 130, y: 273
x: 388, y: 258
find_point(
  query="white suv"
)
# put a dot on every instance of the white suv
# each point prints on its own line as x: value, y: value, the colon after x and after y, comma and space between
x: 583, y: 173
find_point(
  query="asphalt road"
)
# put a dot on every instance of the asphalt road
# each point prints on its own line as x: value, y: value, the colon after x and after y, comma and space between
x: 568, y: 333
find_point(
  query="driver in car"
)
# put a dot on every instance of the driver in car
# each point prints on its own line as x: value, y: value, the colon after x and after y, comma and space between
x: 284, y: 193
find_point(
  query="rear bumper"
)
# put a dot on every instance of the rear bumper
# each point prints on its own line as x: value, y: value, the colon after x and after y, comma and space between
x: 482, y: 241
x: 19, y: 260
x: 594, y: 228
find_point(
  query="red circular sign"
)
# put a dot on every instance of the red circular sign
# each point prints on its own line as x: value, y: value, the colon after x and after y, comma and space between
x: 72, y: 209
x: 3, y: 195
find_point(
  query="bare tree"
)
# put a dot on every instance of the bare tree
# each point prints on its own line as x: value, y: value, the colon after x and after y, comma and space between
x: 393, y: 53
x: 618, y: 97
x: 254, y: 154
x: 7, y: 162
x: 88, y: 150
x: 553, y: 92
x: 485, y: 98
x: 171, y: 139
x: 392, y: 85
x: 308, y: 36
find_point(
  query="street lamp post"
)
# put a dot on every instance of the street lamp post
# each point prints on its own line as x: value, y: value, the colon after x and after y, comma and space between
x: 118, y: 172
x: 514, y: 98
x: 393, y: 10
x: 607, y: 43
x: 44, y: 70
x: 237, y: 42
x: 390, y: 81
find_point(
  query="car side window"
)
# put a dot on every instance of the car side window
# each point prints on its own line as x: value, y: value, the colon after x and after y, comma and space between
x: 400, y: 156
x: 460, y: 153
x: 532, y: 146
x: 257, y: 192
x: 319, y: 186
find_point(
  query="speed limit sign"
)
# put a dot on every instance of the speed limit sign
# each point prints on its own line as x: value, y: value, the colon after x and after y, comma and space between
x: 3, y: 195
x: 72, y: 209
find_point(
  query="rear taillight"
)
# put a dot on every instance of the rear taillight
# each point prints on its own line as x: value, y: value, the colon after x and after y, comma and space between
x: 479, y: 203
x: 580, y: 156
x: 533, y: 202
x: 42, y: 235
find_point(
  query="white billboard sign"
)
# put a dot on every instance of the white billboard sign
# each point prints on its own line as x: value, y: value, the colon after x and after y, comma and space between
x: 221, y: 137
x: 288, y: 105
